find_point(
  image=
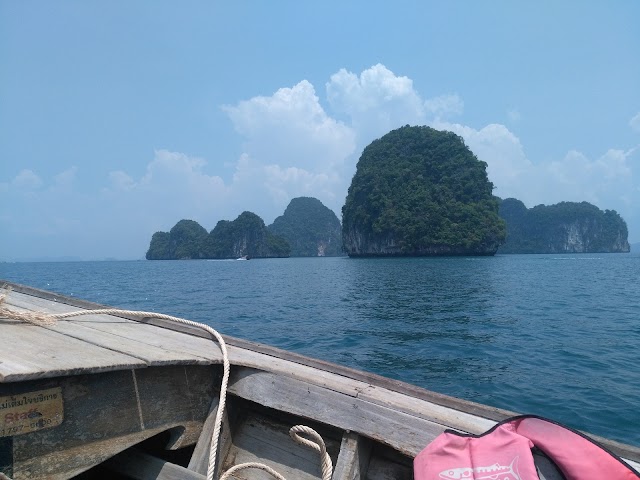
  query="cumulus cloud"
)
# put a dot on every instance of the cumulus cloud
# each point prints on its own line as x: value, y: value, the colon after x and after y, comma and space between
x: 175, y: 181
x: 606, y: 181
x: 292, y: 147
x: 635, y: 122
x: 376, y: 101
x: 291, y: 128
x: 444, y: 105
x: 63, y: 181
x: 26, y: 180
x: 120, y: 180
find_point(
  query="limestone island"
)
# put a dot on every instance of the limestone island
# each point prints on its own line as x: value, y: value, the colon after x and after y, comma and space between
x: 566, y: 227
x: 418, y: 191
x: 245, y: 237
x: 310, y: 228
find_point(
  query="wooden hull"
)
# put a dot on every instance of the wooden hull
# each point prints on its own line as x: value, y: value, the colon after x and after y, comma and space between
x: 138, y: 404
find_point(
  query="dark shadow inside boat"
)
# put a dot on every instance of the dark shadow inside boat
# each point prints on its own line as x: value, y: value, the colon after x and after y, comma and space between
x: 255, y: 433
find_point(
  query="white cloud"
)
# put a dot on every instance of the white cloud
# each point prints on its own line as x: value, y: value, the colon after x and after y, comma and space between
x: 635, y: 122
x: 64, y: 181
x: 444, y: 105
x: 121, y: 181
x: 606, y: 181
x: 179, y: 184
x: 292, y: 147
x: 26, y: 180
x: 377, y: 101
x: 291, y: 128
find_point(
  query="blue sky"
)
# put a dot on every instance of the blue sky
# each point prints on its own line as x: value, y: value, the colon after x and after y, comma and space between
x: 117, y: 119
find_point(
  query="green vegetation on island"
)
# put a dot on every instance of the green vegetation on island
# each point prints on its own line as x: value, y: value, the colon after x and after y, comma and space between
x: 311, y: 229
x: 420, y: 191
x: 246, y: 236
x: 566, y: 227
x: 186, y: 240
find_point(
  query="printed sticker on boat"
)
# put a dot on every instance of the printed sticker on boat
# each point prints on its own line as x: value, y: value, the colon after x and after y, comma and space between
x: 28, y: 412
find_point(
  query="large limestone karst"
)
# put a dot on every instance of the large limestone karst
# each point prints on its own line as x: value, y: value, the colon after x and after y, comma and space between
x: 311, y: 229
x: 566, y: 227
x: 420, y: 191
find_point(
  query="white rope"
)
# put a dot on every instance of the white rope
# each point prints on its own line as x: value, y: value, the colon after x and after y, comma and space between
x: 317, y: 444
x: 42, y: 318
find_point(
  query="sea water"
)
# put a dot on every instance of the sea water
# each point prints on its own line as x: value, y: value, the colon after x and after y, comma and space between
x: 554, y: 335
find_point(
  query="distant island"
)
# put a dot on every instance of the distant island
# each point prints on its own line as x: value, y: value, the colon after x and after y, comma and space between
x: 311, y: 229
x: 245, y: 237
x: 566, y: 227
x: 306, y: 229
x: 418, y: 191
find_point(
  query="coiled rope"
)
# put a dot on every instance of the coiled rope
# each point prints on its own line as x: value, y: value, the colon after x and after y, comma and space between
x: 43, y: 319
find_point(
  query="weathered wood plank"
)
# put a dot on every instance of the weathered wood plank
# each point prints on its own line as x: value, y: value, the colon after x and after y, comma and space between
x: 248, y: 358
x: 405, y: 433
x: 106, y: 413
x: 30, y: 352
x: 353, y: 460
x: 448, y: 417
x: 141, y: 466
x: 157, y: 346
x: 199, y: 461
x: 264, y: 440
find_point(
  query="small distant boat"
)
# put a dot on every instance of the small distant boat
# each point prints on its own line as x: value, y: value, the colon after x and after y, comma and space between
x: 244, y: 257
x: 108, y: 393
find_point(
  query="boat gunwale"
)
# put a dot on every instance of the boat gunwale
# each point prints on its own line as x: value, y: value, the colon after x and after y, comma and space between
x: 397, y: 386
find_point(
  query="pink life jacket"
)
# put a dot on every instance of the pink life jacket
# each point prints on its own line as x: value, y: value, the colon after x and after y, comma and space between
x: 504, y: 453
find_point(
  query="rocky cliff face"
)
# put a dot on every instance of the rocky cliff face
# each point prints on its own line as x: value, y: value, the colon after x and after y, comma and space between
x: 361, y: 245
x: 566, y: 227
x: 583, y: 236
x: 246, y: 236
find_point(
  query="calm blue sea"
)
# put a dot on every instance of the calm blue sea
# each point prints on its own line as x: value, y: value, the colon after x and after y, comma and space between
x: 555, y: 335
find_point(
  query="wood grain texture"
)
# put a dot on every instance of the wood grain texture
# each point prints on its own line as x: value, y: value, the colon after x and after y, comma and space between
x: 405, y: 433
x: 105, y: 413
x: 258, y: 438
x: 353, y: 460
x: 30, y: 352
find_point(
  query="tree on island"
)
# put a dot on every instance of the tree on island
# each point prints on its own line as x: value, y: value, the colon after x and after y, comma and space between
x: 420, y: 191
